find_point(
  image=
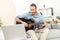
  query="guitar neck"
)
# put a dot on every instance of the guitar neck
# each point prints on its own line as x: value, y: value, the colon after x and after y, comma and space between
x: 38, y: 23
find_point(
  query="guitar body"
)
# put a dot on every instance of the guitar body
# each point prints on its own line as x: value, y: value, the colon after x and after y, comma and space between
x: 27, y: 21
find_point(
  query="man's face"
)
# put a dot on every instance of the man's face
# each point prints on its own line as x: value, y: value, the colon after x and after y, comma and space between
x: 32, y: 9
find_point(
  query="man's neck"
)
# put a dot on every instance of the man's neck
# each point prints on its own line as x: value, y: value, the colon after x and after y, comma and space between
x: 35, y: 14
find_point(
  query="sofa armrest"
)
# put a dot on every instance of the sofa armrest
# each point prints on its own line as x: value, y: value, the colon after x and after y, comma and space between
x: 53, y: 26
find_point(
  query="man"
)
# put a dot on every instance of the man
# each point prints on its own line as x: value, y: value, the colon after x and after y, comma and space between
x: 37, y: 17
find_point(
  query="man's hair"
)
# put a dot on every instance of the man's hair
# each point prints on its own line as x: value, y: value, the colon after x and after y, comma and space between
x: 33, y: 5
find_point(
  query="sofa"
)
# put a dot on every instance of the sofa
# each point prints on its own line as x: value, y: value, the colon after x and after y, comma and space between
x: 54, y: 32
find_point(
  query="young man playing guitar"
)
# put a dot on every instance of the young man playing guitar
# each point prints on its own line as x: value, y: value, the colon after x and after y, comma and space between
x: 37, y: 17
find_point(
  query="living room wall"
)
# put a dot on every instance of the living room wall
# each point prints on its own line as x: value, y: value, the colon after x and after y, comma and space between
x: 22, y: 6
x: 7, y: 12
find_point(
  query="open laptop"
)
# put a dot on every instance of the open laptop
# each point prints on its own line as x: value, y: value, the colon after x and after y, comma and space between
x: 14, y: 32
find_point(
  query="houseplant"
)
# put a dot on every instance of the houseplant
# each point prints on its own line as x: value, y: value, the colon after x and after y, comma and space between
x: 58, y: 17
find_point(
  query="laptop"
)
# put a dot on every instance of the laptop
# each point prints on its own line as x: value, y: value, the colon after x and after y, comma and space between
x: 14, y: 32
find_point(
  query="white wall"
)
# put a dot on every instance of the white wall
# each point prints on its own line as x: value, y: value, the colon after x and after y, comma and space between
x: 55, y: 4
x: 22, y: 6
x: 7, y: 8
x: 7, y: 12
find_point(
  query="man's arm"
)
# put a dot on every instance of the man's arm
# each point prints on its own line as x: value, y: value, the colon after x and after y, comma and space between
x: 24, y: 23
x: 19, y: 20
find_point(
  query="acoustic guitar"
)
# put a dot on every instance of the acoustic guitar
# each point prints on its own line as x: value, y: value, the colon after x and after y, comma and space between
x: 31, y: 24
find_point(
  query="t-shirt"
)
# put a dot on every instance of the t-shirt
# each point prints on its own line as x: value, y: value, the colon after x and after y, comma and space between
x: 37, y: 18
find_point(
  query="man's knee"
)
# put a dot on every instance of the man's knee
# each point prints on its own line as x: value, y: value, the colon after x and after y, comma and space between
x: 45, y: 30
x: 30, y: 31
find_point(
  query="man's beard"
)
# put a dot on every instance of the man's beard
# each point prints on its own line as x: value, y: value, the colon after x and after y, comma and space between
x: 33, y: 13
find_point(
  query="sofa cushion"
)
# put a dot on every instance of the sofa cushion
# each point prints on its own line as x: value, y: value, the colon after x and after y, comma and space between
x: 53, y: 33
x: 53, y: 26
x: 54, y: 39
x: 56, y: 26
